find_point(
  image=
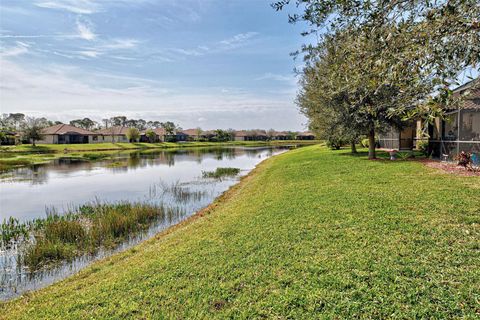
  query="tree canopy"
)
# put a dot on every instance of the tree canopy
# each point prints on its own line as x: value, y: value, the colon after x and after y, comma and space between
x: 378, y: 62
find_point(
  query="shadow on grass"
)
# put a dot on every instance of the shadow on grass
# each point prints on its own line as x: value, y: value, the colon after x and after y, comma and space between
x: 36, y: 149
x: 383, y: 155
x: 139, y: 145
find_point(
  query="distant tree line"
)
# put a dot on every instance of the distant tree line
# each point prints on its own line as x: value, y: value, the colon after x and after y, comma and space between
x: 31, y: 127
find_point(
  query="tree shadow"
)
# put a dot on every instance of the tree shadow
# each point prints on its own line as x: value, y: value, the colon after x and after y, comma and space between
x: 37, y: 149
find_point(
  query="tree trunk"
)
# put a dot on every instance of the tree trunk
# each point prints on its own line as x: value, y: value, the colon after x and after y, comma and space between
x: 371, y: 144
x: 33, y: 142
x: 353, y: 146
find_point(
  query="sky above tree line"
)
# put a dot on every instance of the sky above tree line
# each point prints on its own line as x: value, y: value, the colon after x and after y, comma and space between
x: 207, y: 63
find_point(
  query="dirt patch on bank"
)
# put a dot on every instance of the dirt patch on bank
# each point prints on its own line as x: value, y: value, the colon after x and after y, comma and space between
x: 450, y: 168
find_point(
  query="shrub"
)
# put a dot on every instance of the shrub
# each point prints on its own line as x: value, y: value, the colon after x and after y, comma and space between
x: 365, y: 143
x: 335, y: 143
x: 422, y: 145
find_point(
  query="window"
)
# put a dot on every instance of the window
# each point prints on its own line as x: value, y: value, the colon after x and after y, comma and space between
x: 470, y: 125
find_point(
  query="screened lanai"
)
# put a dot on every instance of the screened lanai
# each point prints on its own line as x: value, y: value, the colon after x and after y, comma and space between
x: 460, y: 130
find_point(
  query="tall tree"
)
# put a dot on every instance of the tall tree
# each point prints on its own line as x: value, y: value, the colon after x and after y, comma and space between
x: 85, y: 123
x: 16, y: 119
x: 118, y: 121
x: 169, y: 127
x: 133, y: 134
x: 32, y: 129
x: 410, y: 50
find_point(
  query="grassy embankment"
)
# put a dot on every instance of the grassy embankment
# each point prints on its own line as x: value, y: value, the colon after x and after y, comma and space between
x: 24, y: 155
x: 310, y: 233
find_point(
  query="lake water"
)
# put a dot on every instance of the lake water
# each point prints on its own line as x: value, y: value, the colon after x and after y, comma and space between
x: 28, y: 193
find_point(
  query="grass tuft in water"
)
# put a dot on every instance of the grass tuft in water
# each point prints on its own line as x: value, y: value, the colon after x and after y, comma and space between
x: 95, y: 156
x: 11, y: 231
x: 83, y: 230
x: 9, y: 164
x: 220, y: 173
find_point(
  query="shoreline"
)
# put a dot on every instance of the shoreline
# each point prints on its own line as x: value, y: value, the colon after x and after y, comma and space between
x: 308, y: 233
x: 13, y: 157
x: 224, y: 196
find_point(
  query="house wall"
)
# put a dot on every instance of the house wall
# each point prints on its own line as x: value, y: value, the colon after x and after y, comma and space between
x: 113, y: 139
x: 305, y: 137
x: 49, y: 139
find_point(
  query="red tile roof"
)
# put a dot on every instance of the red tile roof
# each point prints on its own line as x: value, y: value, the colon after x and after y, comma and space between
x: 472, y: 99
x: 61, y: 129
x: 113, y: 131
x: 305, y: 134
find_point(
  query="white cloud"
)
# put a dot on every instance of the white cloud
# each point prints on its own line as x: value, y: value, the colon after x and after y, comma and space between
x: 115, y: 44
x: 75, y: 6
x: 62, y: 92
x: 187, y: 52
x: 238, y: 40
x: 275, y: 77
x: 90, y: 53
x: 85, y: 29
x: 19, y: 49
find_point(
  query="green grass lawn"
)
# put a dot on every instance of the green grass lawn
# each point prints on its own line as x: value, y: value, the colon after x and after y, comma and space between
x: 311, y: 233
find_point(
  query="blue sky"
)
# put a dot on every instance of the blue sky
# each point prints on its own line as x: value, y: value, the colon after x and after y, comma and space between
x: 207, y: 63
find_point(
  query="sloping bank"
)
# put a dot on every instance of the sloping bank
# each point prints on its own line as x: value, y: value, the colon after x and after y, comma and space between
x: 309, y: 233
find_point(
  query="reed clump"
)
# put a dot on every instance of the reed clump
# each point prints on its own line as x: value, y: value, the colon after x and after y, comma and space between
x: 95, y: 156
x: 220, y: 173
x: 9, y: 164
x: 84, y: 230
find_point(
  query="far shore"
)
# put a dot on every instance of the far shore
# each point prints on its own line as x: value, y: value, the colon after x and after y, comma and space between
x: 24, y: 155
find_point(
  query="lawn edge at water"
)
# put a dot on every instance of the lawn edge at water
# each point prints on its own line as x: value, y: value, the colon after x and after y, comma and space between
x: 209, y: 209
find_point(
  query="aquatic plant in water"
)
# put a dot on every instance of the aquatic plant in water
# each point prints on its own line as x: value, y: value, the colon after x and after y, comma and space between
x: 84, y: 230
x: 220, y: 173
x: 11, y: 231
x: 179, y: 192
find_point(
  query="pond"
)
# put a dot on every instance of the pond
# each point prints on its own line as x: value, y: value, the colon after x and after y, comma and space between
x: 173, y: 178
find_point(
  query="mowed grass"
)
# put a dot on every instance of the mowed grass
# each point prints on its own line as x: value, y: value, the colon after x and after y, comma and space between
x: 311, y: 233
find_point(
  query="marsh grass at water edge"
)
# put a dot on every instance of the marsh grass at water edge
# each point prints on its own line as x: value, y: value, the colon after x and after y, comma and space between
x: 45, y: 242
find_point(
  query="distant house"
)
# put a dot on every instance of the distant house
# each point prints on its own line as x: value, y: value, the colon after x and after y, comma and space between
x: 181, y: 136
x: 194, y: 134
x: 113, y: 134
x: 159, y: 135
x: 251, y: 135
x: 9, y: 138
x: 280, y: 135
x: 307, y: 135
x: 241, y: 135
x: 162, y: 136
x: 65, y: 133
x: 460, y: 130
